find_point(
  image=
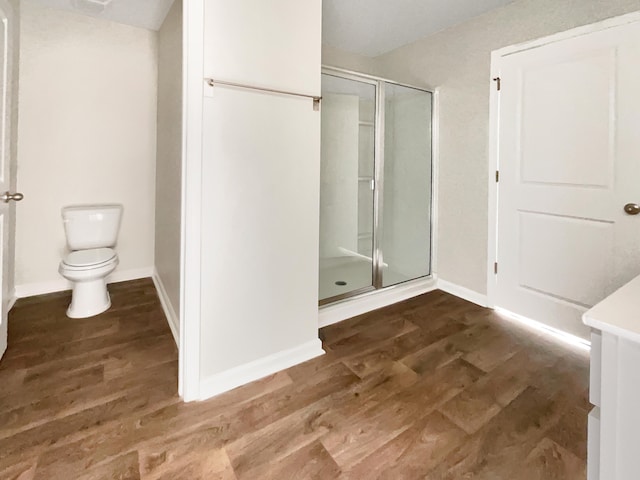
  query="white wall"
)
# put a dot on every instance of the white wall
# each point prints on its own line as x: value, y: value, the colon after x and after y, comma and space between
x: 260, y: 188
x: 169, y: 160
x: 87, y: 134
x: 264, y: 43
x: 457, y: 61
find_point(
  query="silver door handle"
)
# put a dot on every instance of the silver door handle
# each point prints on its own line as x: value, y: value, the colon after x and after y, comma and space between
x: 6, y: 197
x: 632, y: 208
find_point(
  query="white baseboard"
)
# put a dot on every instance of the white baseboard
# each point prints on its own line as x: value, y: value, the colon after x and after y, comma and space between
x: 12, y: 301
x: 41, y: 288
x: 169, y: 311
x: 243, y: 374
x: 463, y: 292
x: 348, y: 308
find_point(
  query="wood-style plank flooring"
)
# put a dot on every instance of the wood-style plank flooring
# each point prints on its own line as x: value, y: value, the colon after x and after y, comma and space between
x: 433, y: 388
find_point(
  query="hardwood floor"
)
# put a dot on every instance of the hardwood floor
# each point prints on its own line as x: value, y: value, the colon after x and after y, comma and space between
x: 433, y: 388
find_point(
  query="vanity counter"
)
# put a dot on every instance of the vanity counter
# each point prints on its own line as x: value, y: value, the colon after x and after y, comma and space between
x: 613, y: 451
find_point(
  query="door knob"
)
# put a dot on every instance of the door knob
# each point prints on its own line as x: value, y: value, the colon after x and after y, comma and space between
x: 632, y: 208
x: 6, y: 197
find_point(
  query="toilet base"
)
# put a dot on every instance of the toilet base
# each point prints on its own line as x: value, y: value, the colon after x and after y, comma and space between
x: 89, y: 298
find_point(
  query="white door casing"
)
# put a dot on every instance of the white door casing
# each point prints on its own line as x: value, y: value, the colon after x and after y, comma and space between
x: 5, y: 155
x: 6, y: 51
x: 567, y: 148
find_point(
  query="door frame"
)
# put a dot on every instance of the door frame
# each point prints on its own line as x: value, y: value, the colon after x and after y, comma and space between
x: 497, y: 57
x: 7, y: 130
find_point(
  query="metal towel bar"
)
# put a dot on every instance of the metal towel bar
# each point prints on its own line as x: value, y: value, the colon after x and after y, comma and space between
x: 316, y: 99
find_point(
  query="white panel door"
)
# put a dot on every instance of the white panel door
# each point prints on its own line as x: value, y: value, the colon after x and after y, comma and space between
x: 569, y: 160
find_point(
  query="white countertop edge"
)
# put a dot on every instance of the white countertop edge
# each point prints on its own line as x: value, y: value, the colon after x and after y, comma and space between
x: 619, y: 313
x: 609, y: 328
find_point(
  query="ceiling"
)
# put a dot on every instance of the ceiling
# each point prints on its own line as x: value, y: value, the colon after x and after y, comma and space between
x: 374, y: 27
x: 140, y: 13
x: 365, y: 27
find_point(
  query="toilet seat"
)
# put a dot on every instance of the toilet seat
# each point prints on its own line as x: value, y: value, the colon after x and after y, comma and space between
x: 89, y: 259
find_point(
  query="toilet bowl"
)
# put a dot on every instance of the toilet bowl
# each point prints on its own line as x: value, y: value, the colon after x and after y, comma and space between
x: 91, y: 232
x: 88, y: 271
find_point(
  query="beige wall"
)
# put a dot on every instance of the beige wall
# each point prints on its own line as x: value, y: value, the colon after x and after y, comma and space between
x: 457, y: 61
x: 87, y: 134
x: 169, y: 158
x: 334, y: 57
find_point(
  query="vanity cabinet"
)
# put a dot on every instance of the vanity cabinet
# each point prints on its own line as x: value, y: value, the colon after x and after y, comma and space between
x: 614, y: 422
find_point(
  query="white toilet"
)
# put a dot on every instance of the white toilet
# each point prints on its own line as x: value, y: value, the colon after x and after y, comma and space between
x: 92, y: 231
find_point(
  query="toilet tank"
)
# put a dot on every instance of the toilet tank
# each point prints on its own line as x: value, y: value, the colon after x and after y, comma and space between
x: 91, y: 226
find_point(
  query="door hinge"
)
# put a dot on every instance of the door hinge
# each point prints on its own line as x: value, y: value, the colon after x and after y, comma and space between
x: 495, y: 268
x: 498, y: 83
x: 497, y: 176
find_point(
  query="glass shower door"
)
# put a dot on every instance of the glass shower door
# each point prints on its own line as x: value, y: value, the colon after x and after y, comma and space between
x: 347, y: 187
x: 405, y: 242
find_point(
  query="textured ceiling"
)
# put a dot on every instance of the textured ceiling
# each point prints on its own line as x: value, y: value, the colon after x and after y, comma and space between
x: 374, y: 27
x: 366, y: 27
x: 140, y: 13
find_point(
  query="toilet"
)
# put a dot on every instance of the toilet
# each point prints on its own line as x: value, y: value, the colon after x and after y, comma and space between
x: 91, y: 231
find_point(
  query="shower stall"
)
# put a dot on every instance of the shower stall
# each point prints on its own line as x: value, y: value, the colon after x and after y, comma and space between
x: 376, y: 184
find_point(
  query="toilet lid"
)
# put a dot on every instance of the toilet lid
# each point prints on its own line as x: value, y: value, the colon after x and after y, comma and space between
x: 87, y: 258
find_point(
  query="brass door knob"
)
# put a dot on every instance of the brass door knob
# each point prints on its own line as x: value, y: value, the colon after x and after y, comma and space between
x: 6, y: 197
x: 632, y: 209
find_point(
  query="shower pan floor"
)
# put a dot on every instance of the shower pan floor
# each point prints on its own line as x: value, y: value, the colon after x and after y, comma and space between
x: 351, y: 273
